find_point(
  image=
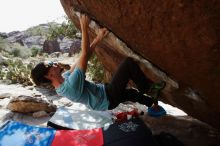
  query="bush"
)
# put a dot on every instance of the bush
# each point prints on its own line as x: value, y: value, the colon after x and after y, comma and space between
x: 6, y: 54
x: 37, y: 30
x: 15, y: 52
x: 66, y: 29
x: 3, y: 44
x: 16, y: 71
x: 35, y: 51
x: 96, y: 70
x: 20, y: 51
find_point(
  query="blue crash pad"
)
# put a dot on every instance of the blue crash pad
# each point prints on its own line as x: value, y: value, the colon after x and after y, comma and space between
x: 14, y: 133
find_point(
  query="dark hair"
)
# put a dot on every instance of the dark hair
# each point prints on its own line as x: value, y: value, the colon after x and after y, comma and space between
x: 38, y: 73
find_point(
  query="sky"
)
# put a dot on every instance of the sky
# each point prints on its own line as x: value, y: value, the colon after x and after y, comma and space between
x: 22, y: 14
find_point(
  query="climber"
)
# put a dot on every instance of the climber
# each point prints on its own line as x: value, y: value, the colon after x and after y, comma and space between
x: 73, y: 85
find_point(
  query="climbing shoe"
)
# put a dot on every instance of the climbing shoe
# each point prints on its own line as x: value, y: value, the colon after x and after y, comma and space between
x: 156, y: 111
x: 154, y: 91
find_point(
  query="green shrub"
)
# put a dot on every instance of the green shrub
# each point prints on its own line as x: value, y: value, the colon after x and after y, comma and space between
x: 15, y: 52
x: 3, y: 44
x: 66, y: 29
x: 20, y: 51
x: 16, y: 71
x: 96, y: 70
x: 35, y: 51
x: 37, y: 30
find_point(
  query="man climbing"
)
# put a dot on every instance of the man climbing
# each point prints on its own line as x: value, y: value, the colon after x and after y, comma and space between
x: 73, y: 85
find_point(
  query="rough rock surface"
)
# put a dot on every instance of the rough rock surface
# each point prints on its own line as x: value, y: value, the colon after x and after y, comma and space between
x: 70, y: 45
x: 190, y: 131
x: 177, y: 41
x: 51, y: 46
x: 75, y: 47
x: 40, y: 114
x: 27, y: 104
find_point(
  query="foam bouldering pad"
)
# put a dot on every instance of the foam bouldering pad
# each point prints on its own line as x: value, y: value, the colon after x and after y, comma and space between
x: 91, y: 137
x: 14, y: 133
x: 65, y: 118
x: 132, y: 132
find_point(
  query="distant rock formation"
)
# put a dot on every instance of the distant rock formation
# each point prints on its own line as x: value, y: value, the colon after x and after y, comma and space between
x: 29, y: 40
x: 75, y: 46
x: 3, y: 35
x: 51, y: 46
x: 70, y: 45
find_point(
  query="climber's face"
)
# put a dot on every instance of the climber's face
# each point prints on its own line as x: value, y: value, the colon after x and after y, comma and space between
x: 54, y: 70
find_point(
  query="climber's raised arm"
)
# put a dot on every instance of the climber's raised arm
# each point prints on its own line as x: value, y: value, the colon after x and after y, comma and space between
x: 101, y: 34
x: 83, y: 59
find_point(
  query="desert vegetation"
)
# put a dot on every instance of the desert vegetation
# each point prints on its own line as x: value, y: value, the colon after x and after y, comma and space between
x: 17, y: 60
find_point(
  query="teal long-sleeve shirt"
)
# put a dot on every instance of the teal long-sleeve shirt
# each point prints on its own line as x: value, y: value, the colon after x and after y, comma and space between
x: 76, y: 88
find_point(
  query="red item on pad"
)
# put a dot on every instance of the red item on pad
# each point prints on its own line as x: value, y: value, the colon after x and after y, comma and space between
x: 123, y: 116
x: 93, y: 137
x: 133, y: 113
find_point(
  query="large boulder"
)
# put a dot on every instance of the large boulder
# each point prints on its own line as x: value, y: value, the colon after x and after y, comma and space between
x: 177, y: 41
x: 75, y: 47
x: 16, y: 37
x: 34, y: 41
x: 28, y: 104
x: 188, y: 130
x: 51, y: 46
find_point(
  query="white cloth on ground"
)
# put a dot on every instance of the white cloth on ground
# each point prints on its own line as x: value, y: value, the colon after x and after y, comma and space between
x: 81, y: 119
